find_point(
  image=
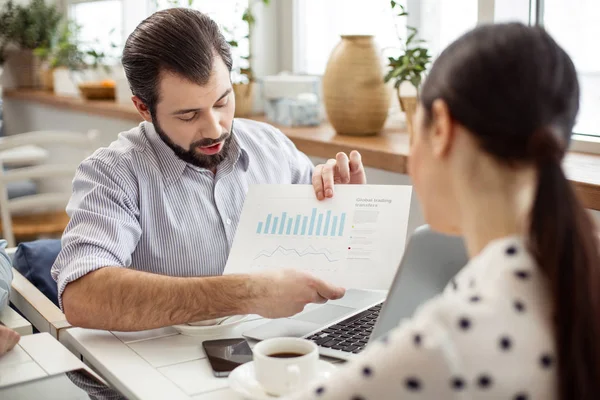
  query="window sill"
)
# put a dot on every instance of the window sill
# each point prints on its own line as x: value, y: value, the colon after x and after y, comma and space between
x: 585, y: 144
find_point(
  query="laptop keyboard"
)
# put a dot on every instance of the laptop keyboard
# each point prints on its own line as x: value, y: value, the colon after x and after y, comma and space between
x: 350, y: 335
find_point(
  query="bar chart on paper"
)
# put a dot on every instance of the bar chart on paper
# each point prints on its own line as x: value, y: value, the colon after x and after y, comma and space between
x: 325, y: 223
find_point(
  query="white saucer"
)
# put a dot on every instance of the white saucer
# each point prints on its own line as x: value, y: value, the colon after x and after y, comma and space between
x: 243, y: 382
x: 204, y: 330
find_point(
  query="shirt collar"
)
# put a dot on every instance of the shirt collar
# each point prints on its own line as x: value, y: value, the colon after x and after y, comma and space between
x: 239, y: 154
x: 172, y: 166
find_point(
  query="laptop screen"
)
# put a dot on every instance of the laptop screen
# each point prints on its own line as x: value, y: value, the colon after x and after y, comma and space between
x: 74, y: 385
x: 430, y: 261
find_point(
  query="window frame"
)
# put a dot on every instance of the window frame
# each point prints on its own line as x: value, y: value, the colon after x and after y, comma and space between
x: 580, y: 142
x: 65, y: 6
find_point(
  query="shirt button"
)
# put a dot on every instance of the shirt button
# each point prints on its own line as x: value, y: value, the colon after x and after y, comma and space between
x: 228, y: 221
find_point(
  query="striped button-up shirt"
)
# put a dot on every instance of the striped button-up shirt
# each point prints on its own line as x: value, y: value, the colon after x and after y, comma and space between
x: 135, y: 204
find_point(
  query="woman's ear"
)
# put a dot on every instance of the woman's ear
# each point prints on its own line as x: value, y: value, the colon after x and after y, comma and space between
x: 442, y: 133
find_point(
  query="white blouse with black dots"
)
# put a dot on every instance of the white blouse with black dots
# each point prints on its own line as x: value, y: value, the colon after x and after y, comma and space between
x: 487, y: 336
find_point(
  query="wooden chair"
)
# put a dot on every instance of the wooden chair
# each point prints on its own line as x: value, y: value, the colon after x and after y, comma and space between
x: 41, y: 214
x: 34, y: 305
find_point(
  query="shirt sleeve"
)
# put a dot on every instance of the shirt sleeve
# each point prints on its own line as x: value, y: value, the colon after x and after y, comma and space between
x: 5, y: 275
x: 104, y: 228
x: 412, y: 361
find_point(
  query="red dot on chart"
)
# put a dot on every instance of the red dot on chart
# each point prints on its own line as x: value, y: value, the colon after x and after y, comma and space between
x: 348, y: 248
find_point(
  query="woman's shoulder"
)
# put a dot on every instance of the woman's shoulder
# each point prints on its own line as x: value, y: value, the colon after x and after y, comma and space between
x: 494, y: 320
x: 505, y: 278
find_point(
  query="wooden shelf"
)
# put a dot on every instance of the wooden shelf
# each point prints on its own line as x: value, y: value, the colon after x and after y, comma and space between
x: 387, y: 151
x: 105, y: 108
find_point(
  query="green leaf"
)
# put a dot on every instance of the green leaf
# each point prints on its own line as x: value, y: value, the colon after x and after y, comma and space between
x: 248, y: 17
x: 416, y: 81
x: 411, y: 37
x: 392, y: 3
x: 388, y: 76
x: 190, y: 2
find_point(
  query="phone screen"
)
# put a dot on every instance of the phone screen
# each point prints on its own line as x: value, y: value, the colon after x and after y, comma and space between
x: 227, y: 354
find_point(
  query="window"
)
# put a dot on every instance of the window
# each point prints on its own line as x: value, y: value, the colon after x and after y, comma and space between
x: 574, y: 25
x: 104, y: 23
x: 107, y: 22
x: 320, y: 24
x: 442, y: 22
x: 228, y: 14
x: 101, y: 24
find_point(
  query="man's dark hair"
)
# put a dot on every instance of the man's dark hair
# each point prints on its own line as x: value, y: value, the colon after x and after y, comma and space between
x: 178, y: 40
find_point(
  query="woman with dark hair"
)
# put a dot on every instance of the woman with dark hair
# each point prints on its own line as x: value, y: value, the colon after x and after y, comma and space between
x: 522, y: 319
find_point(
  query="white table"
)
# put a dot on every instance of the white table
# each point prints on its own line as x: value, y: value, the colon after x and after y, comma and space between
x: 34, y: 357
x: 13, y: 320
x: 155, y: 364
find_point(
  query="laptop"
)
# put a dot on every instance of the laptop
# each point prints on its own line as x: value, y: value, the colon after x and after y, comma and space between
x: 343, y: 328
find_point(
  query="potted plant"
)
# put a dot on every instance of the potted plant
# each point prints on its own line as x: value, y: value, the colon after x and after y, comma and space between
x: 409, y: 66
x: 22, y: 29
x: 45, y: 69
x: 62, y: 56
x: 77, y: 66
x: 244, y: 79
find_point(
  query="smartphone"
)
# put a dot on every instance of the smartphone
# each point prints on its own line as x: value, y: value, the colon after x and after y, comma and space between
x: 225, y: 355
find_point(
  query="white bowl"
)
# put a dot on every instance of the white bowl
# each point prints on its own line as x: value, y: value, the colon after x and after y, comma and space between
x: 207, y: 322
x: 210, y: 327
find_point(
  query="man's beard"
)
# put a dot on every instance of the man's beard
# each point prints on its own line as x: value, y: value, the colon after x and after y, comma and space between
x: 194, y: 157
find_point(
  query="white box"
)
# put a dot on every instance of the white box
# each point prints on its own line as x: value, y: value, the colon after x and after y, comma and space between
x: 290, y: 86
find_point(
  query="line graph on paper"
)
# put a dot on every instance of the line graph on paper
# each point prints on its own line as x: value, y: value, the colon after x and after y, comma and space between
x: 322, y: 254
x: 306, y: 257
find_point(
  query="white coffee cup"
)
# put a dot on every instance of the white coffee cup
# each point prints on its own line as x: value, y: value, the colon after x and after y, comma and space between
x: 278, y: 372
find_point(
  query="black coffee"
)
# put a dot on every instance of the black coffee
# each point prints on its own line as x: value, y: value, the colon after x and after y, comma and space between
x: 286, y: 355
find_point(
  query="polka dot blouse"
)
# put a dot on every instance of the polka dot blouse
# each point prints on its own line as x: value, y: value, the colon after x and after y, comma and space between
x: 487, y: 336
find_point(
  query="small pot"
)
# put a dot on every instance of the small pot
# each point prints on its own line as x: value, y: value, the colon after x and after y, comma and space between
x: 46, y: 77
x: 244, y: 99
x: 21, y: 69
x: 63, y: 84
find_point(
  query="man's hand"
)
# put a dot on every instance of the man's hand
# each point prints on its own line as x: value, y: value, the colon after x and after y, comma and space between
x: 286, y: 292
x: 339, y: 170
x: 8, y: 339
